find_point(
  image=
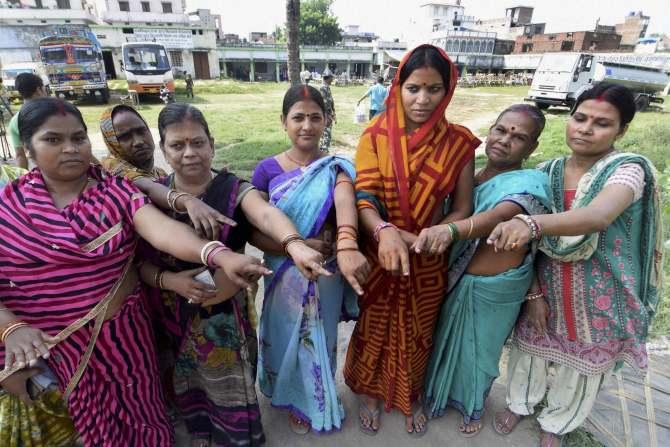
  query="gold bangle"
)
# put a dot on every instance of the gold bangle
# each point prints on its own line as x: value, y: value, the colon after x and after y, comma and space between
x: 472, y: 226
x: 174, y: 202
x: 11, y: 328
x: 160, y: 280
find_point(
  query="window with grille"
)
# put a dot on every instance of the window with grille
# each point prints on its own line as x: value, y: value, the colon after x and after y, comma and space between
x: 167, y: 7
x: 175, y: 57
x: 124, y: 6
x: 146, y: 7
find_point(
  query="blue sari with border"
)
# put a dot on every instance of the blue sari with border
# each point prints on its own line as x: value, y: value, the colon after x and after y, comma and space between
x: 298, y: 325
x: 480, y: 311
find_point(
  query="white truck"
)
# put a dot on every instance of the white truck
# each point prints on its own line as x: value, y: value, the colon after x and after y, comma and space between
x: 562, y: 77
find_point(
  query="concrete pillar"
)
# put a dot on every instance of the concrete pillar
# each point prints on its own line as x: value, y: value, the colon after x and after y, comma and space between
x: 225, y: 69
x: 277, y: 70
x: 348, y: 69
x: 252, y: 72
x: 302, y: 65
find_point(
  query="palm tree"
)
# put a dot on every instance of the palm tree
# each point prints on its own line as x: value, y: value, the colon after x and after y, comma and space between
x: 292, y: 24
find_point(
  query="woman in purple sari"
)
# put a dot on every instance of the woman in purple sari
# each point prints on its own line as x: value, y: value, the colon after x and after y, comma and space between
x: 298, y: 329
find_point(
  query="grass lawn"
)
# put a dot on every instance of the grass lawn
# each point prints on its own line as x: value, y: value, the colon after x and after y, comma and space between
x: 244, y: 120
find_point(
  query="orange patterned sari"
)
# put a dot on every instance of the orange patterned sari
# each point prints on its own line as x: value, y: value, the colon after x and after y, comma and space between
x: 406, y: 178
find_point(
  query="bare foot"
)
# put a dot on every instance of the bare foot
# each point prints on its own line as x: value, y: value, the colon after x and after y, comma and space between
x: 297, y: 425
x: 550, y: 440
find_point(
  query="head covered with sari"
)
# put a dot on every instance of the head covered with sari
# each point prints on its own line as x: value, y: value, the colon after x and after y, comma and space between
x: 423, y: 165
x: 406, y: 177
x: 120, y: 161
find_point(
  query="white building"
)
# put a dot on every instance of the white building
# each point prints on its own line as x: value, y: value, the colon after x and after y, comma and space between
x: 191, y: 42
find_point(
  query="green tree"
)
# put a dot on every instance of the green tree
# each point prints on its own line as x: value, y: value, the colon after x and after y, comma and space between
x: 318, y: 25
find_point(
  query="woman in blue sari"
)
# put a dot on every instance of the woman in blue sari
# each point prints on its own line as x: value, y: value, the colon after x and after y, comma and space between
x: 486, y: 289
x: 298, y: 327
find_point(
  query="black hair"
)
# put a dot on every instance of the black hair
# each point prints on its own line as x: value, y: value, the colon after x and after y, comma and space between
x: 177, y: 113
x: 36, y: 112
x: 297, y: 93
x: 617, y: 95
x: 426, y: 56
x: 531, y: 112
x: 121, y: 108
x: 27, y: 84
x: 380, y: 80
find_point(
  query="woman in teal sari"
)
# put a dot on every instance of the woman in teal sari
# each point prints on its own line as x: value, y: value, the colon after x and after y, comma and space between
x: 486, y: 289
x: 298, y: 327
x: 599, y: 273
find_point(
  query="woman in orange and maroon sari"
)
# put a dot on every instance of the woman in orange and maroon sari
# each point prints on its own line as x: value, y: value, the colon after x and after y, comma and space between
x: 414, y: 170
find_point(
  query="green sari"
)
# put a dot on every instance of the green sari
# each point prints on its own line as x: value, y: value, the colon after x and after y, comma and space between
x: 602, y: 288
x: 480, y: 311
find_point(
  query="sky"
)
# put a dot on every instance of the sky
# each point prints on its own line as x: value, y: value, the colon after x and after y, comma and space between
x: 386, y: 17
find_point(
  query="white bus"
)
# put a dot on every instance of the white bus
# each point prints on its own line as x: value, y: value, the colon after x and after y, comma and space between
x: 147, y: 68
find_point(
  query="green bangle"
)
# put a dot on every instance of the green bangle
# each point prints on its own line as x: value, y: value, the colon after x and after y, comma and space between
x: 453, y: 229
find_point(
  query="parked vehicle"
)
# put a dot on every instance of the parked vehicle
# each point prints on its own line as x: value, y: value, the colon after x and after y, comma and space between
x: 562, y: 77
x: 9, y: 73
x: 147, y: 68
x: 75, y: 67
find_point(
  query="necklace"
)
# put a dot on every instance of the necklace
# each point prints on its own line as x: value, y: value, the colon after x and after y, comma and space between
x: 294, y: 161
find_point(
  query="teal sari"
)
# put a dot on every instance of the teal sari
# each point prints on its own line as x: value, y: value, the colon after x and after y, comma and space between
x: 480, y: 311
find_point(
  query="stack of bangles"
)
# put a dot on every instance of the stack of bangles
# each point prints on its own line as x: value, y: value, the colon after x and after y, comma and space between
x: 158, y: 278
x: 381, y: 226
x: 347, y: 232
x: 209, y: 251
x: 290, y: 239
x: 534, y: 295
x: 533, y: 226
x: 10, y: 328
x: 172, y: 197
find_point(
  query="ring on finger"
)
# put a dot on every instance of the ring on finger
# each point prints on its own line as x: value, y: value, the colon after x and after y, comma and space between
x: 514, y: 245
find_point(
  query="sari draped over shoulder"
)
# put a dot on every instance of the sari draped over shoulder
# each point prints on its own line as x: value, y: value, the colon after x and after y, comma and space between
x: 406, y: 178
x: 46, y: 421
x: 117, y: 162
x: 298, y: 329
x: 214, y: 347
x: 602, y: 288
x: 57, y: 264
x: 480, y: 311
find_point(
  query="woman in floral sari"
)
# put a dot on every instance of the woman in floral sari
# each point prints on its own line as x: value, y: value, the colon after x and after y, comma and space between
x: 298, y: 327
x: 215, y: 368
x: 599, y: 273
x: 486, y: 289
x: 409, y: 160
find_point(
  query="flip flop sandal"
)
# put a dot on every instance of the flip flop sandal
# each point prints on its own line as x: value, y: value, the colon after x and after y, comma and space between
x: 299, y: 428
x: 371, y: 414
x: 510, y: 415
x: 419, y: 434
x: 471, y: 434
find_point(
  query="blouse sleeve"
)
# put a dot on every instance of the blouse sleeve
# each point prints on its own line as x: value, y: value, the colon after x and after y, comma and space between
x: 631, y: 175
x: 260, y: 178
x: 134, y: 198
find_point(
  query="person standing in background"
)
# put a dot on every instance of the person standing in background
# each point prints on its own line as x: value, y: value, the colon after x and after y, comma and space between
x: 330, y: 110
x: 30, y: 86
x: 377, y: 94
x: 189, y: 84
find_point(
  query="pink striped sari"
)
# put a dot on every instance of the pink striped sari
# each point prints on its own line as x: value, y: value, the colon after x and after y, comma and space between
x: 56, y: 264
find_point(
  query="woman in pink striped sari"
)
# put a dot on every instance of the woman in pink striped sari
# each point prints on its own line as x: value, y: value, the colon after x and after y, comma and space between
x: 68, y: 237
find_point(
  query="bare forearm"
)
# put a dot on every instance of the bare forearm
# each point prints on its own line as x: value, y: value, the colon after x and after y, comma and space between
x: 168, y: 235
x: 265, y: 243
x: 156, y: 192
x: 480, y: 225
x: 369, y: 219
x: 572, y: 223
x: 345, y: 205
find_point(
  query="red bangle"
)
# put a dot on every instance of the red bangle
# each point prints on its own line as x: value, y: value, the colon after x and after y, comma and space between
x: 380, y: 226
x: 214, y: 252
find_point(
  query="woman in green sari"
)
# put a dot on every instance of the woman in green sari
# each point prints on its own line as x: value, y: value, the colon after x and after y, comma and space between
x: 486, y: 289
x: 599, y: 272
